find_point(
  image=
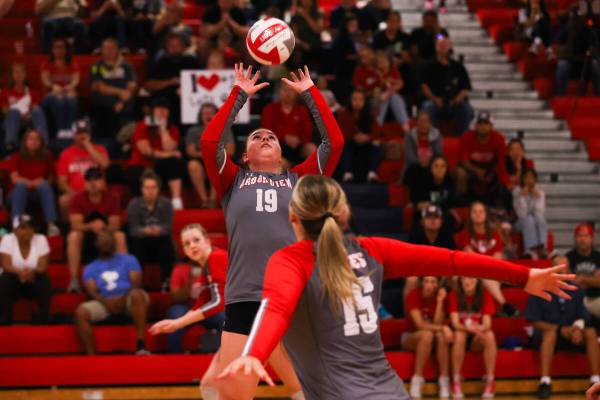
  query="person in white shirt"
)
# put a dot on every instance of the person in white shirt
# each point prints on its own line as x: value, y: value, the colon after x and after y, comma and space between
x: 24, y: 260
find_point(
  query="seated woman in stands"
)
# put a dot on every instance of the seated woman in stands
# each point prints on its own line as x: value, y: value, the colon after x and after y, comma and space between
x: 60, y: 77
x: 529, y: 202
x: 425, y: 308
x: 24, y: 261
x: 516, y: 162
x: 471, y: 308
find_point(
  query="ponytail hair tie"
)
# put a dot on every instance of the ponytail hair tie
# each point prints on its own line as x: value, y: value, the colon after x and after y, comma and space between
x: 326, y: 215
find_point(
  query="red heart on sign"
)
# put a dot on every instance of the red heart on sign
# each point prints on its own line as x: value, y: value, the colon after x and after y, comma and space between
x: 208, y: 82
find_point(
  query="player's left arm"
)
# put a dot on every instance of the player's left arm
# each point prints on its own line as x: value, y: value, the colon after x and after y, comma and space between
x: 325, y: 158
x: 402, y: 259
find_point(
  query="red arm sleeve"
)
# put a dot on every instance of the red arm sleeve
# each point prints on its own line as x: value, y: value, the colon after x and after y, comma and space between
x: 286, y: 277
x: 403, y: 259
x: 324, y: 160
x: 220, y: 169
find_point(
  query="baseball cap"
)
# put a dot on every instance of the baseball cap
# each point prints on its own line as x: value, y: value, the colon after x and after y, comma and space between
x: 484, y: 117
x: 431, y: 211
x: 584, y: 229
x: 93, y: 173
x: 83, y: 125
x: 23, y: 219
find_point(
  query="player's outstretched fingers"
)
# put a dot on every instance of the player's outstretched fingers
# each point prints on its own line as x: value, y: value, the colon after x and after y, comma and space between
x: 542, y: 281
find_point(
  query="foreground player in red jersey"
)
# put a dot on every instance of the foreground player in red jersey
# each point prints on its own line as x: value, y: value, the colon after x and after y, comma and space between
x: 255, y: 201
x: 326, y: 290
x: 207, y: 288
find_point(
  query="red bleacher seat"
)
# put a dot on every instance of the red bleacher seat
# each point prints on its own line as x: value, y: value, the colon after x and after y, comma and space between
x: 536, y: 67
x: 593, y: 148
x: 567, y: 107
x: 21, y: 9
x: 398, y: 195
x: 390, y: 171
x: 57, y: 248
x: 584, y: 127
x: 452, y: 151
x: 497, y: 16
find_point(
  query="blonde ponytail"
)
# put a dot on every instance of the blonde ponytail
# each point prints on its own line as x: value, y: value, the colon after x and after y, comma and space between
x: 319, y: 202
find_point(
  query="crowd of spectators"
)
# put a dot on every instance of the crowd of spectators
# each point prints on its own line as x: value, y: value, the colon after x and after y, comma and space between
x: 377, y: 76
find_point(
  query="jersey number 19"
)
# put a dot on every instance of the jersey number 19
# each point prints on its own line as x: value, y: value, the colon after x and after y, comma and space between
x: 266, y: 200
x: 361, y: 314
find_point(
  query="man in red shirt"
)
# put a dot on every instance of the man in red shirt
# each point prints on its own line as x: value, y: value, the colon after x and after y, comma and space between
x: 91, y: 211
x: 291, y: 124
x: 75, y: 160
x: 155, y: 145
x: 482, y: 165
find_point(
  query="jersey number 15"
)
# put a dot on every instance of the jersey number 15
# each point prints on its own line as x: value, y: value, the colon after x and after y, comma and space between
x: 361, y: 314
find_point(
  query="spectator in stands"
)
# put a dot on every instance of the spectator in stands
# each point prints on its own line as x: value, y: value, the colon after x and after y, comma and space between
x: 164, y: 74
x: 170, y: 22
x: 344, y: 57
x: 516, y: 162
x: 113, y: 90
x: 471, y: 310
x: 362, y: 152
x: 366, y: 76
x: 60, y: 77
x: 536, y: 26
x: 113, y: 281
x: 155, y: 145
x: 561, y: 324
x: 432, y: 185
x: 530, y: 206
x: 195, y: 290
x: 21, y: 107
x: 150, y: 222
x: 323, y: 85
x: 307, y: 24
x: 480, y: 237
x: 195, y: 164
x: 91, y: 211
x: 374, y: 13
x: 75, y: 160
x: 425, y: 307
x: 584, y: 261
x: 345, y: 11
x: 107, y: 20
x: 226, y: 16
x: 393, y: 40
x: 446, y: 85
x: 24, y: 262
x: 140, y: 20
x: 424, y: 40
x: 482, y: 163
x: 422, y: 142
x: 32, y: 172
x: 577, y: 54
x: 387, y: 94
x: 5, y: 6
x: 291, y: 123
x: 60, y: 19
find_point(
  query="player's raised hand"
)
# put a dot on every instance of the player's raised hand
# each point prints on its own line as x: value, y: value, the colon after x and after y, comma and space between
x: 593, y: 392
x: 300, y: 82
x: 248, y: 365
x: 245, y: 80
x: 542, y: 282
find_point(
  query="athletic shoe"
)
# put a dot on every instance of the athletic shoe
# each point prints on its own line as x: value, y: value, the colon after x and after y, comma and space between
x: 53, y: 229
x: 544, y: 391
x: 457, y: 392
x: 74, y: 286
x: 490, y: 388
x: 444, y: 387
x: 142, y: 352
x: 416, y: 386
x: 177, y: 203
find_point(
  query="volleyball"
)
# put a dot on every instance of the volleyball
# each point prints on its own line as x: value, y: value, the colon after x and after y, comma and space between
x: 270, y: 41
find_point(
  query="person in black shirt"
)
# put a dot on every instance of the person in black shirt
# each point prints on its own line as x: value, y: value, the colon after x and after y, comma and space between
x: 584, y: 261
x: 393, y: 40
x: 225, y: 17
x: 341, y: 13
x: 344, y: 57
x: 446, y: 86
x: 423, y: 39
x: 164, y: 74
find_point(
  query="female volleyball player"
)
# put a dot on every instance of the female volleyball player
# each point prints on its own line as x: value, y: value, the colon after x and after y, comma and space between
x: 326, y: 290
x: 207, y: 287
x: 255, y: 201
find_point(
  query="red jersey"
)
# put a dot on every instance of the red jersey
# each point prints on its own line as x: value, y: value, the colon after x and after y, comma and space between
x: 12, y: 97
x: 324, y: 342
x: 415, y: 301
x: 479, y: 244
x: 366, y: 78
x: 208, y: 287
x: 349, y: 125
x: 106, y: 207
x: 470, y: 316
x: 74, y: 161
x: 32, y: 169
x: 142, y: 132
x: 62, y: 75
x: 489, y: 155
x: 296, y: 122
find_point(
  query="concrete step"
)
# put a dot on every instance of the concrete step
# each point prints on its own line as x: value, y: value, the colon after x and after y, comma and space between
x: 476, y: 49
x: 566, y: 166
x: 525, y: 124
x: 484, y: 75
x: 572, y: 213
x: 460, y: 34
x: 506, y: 104
x: 521, y: 94
x: 585, y: 179
x: 489, y: 68
x: 485, y: 85
x: 541, y: 134
x: 550, y: 156
x: 572, y: 202
x: 523, y: 114
x: 570, y: 189
x: 483, y: 58
x: 534, y: 146
x: 566, y: 227
x: 414, y: 17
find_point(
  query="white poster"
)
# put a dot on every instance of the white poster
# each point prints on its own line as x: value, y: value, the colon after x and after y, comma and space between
x: 207, y: 86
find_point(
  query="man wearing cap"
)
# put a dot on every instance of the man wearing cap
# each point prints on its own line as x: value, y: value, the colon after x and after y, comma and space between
x: 584, y: 261
x: 92, y: 210
x: 155, y: 145
x: 75, y: 160
x: 482, y: 163
x: 23, y: 264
